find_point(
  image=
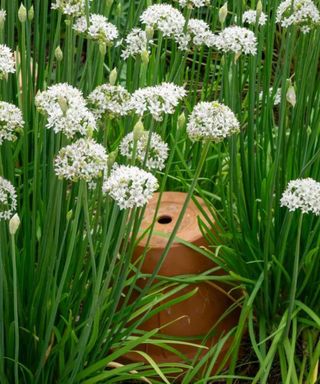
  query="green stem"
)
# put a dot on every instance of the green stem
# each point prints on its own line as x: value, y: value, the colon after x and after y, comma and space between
x: 15, y: 311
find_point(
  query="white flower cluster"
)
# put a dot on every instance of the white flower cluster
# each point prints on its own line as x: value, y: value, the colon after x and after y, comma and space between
x: 83, y: 160
x: 156, y: 152
x: 193, y: 3
x: 98, y: 29
x: 109, y: 99
x: 11, y: 121
x: 200, y: 33
x: 238, y: 40
x: 130, y: 186
x: 158, y: 100
x: 7, y: 61
x: 66, y: 110
x: 303, y: 194
x: 211, y: 121
x: 303, y: 13
x: 250, y: 17
x: 136, y: 43
x: 70, y: 7
x: 8, y: 199
x: 275, y: 96
x: 165, y: 18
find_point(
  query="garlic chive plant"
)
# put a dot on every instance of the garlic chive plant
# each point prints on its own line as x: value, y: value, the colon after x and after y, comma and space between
x: 102, y: 104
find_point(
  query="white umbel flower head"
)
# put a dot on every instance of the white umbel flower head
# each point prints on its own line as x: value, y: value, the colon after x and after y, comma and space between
x: 70, y: 7
x: 158, y: 100
x: 130, y: 186
x: 66, y: 110
x: 157, y: 150
x: 8, y: 199
x: 83, y: 160
x: 99, y: 28
x: 11, y: 121
x: 136, y: 43
x: 110, y: 100
x: 200, y: 33
x: 193, y: 3
x: 165, y: 18
x: 302, y: 194
x: 7, y: 61
x: 250, y: 17
x: 211, y: 121
x: 238, y: 40
x: 304, y: 13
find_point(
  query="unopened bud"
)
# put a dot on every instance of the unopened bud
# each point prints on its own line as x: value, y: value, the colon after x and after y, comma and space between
x: 58, y: 54
x: 138, y: 130
x: 181, y: 121
x: 109, y: 3
x: 145, y: 57
x: 149, y: 33
x: 14, y: 224
x: 102, y: 48
x: 3, y: 15
x: 236, y: 56
x: 31, y: 13
x: 223, y: 12
x: 69, y: 215
x: 63, y: 104
x: 259, y: 9
x: 118, y: 9
x: 112, y: 157
x: 291, y: 95
x: 113, y: 76
x: 22, y: 13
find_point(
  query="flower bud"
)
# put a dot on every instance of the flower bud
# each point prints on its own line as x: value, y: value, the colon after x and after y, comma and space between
x: 259, y: 9
x: 102, y: 48
x: 181, y: 121
x: 149, y: 33
x: 22, y: 13
x: 291, y: 95
x: 14, y: 224
x: 58, y: 54
x: 113, y: 76
x: 31, y: 13
x: 63, y: 104
x: 112, y: 158
x: 145, y: 57
x: 109, y: 3
x: 223, y: 12
x: 138, y: 130
x: 69, y: 215
x: 118, y: 9
x: 3, y: 14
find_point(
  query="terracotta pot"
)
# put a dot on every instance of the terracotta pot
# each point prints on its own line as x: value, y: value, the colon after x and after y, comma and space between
x: 203, y: 310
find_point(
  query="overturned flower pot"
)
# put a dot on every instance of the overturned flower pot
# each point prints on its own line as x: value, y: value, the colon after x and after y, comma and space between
x: 193, y: 318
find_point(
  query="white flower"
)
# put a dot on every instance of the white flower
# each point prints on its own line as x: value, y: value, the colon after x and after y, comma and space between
x: 66, y: 110
x: 130, y: 186
x: 70, y: 7
x: 3, y: 15
x: 99, y: 28
x: 193, y: 3
x: 165, y: 18
x: 303, y: 194
x: 275, y: 96
x: 8, y: 199
x: 158, y: 100
x: 7, y: 61
x: 238, y: 40
x: 211, y: 121
x: 303, y: 13
x: 83, y: 160
x: 200, y: 33
x: 11, y: 121
x: 136, y: 43
x: 109, y: 99
x: 157, y: 150
x: 250, y: 17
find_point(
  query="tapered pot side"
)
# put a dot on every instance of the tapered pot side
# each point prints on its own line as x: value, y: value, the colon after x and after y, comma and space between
x: 194, y: 318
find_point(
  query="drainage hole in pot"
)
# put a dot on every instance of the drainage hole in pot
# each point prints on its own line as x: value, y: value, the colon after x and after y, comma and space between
x: 164, y: 219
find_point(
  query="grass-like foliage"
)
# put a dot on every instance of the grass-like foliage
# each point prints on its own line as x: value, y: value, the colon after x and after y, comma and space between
x: 104, y: 102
